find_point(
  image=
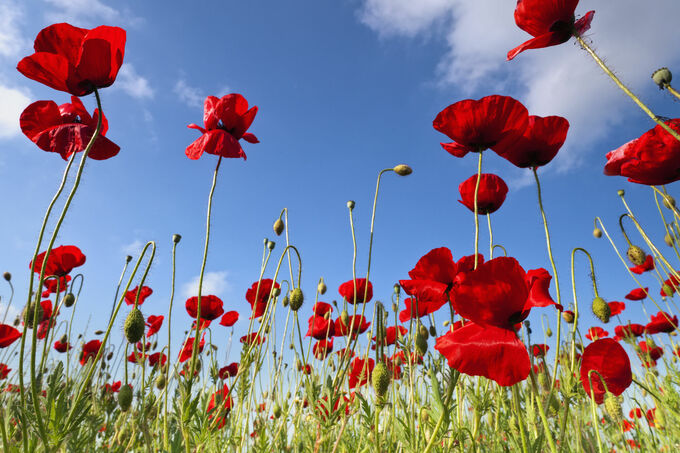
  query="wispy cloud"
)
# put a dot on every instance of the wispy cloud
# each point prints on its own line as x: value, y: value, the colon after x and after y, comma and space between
x: 89, y: 13
x: 134, y: 84
x: 12, y: 42
x: 134, y: 248
x: 189, y: 95
x: 14, y: 101
x: 213, y: 283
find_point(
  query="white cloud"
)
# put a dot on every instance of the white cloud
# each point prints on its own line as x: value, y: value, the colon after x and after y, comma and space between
x: 88, y: 13
x: 12, y: 312
x: 561, y: 80
x: 14, y: 101
x: 12, y: 43
x: 191, y: 96
x: 213, y: 283
x: 134, y: 248
x: 133, y: 84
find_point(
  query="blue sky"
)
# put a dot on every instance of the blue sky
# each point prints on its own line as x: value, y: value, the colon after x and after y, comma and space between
x: 344, y: 89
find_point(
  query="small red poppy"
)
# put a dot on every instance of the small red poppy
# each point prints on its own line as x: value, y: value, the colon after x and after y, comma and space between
x: 651, y: 159
x: 52, y: 285
x: 131, y: 295
x: 616, y: 307
x: 322, y: 348
x: 596, y: 332
x: 652, y: 352
x: 75, y: 60
x: 540, y: 143
x: 113, y: 388
x: 228, y: 371
x: 490, y: 196
x: 550, y: 22
x: 253, y: 338
x: 629, y: 330
x: 211, y: 307
x: 321, y: 308
x: 391, y: 334
x: 66, y: 129
x: 62, y: 260
x: 637, y: 294
x: 90, y: 351
x: 474, y: 126
x: 363, y: 294
x: 356, y: 324
x: 4, y: 371
x: 648, y: 265
x: 157, y: 357
x: 154, y: 324
x: 135, y: 357
x: 258, y: 296
x: 8, y: 335
x: 662, y: 322
x: 188, y: 348
x: 610, y: 360
x: 320, y: 327
x: 229, y: 318
x: 219, y: 406
x: 360, y: 372
x: 226, y: 121
x: 539, y: 350
x: 62, y: 346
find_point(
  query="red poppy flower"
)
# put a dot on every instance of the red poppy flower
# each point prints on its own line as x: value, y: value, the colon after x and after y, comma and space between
x: 491, y: 194
x: 143, y: 346
x: 90, y: 351
x: 323, y: 405
x: 44, y: 328
x: 428, y: 297
x: 113, y: 388
x: 228, y: 371
x: 540, y: 143
x: 346, y: 290
x: 637, y: 294
x: 550, y: 22
x: 204, y: 324
x: 135, y: 357
x: 219, y: 406
x: 62, y: 260
x: 539, y: 288
x: 321, y: 308
x: 596, y: 332
x: 608, y: 358
x: 320, y: 327
x: 157, y: 357
x: 75, y: 60
x: 360, y: 372
x: 226, y: 121
x: 651, y: 159
x: 635, y: 413
x: 391, y: 335
x: 616, y: 307
x: 662, y: 322
x: 356, y: 324
x: 4, y: 371
x: 258, y: 295
x: 650, y: 415
x: 8, y: 335
x: 648, y: 265
x: 66, y: 129
x: 188, y: 348
x: 62, y: 346
x: 229, y: 318
x: 474, y: 126
x: 629, y: 330
x: 211, y: 307
x: 131, y: 295
x: 539, y: 350
x: 322, y: 348
x: 253, y: 338
x: 53, y: 284
x: 154, y: 324
x: 652, y: 352
x: 436, y: 265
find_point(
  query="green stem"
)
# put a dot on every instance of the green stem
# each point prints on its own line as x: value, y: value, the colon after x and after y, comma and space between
x: 479, y: 176
x: 167, y: 366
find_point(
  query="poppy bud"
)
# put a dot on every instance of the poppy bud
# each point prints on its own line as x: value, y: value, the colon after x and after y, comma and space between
x: 296, y: 299
x: 176, y: 238
x: 109, y: 356
x: 285, y: 300
x: 277, y: 410
x: 321, y: 287
x: 16, y: 322
x: 433, y: 331
x: 7, y: 276
x: 344, y: 317
x: 134, y: 326
x: 397, y: 289
x: 669, y: 240
x: 620, y: 192
x: 271, y: 245
x: 403, y: 170
x: 597, y: 233
x: 548, y: 332
x: 601, y: 309
x: 350, y: 204
x: 636, y: 255
x: 128, y: 259
x: 568, y: 316
x: 659, y: 417
x: 380, y: 379
x: 446, y: 323
x: 125, y: 397
x: 395, y: 307
x: 421, y: 345
x: 612, y: 405
x: 662, y: 77
x: 667, y: 289
x: 69, y: 300
x: 422, y: 331
x: 278, y: 227
x: 669, y: 202
x: 160, y: 382
x: 543, y: 381
x: 29, y: 311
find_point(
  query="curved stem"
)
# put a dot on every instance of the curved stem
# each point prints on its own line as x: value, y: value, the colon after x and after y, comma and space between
x: 479, y: 175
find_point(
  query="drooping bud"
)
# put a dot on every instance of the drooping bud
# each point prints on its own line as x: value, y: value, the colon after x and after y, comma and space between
x: 296, y: 299
x: 285, y: 301
x: 597, y: 233
x: 601, y: 309
x: 321, y: 287
x: 69, y: 300
x: 350, y: 204
x: 380, y: 379
x: 63, y: 339
x: 568, y: 316
x: 98, y: 332
x: 125, y: 397
x: 278, y: 227
x: 612, y: 405
x: 548, y: 332
x: 7, y: 276
x: 109, y: 356
x: 662, y: 77
x: 277, y: 410
x: 669, y: 240
x: 30, y: 311
x: 397, y: 289
x: 403, y: 170
x: 433, y: 331
x: 134, y: 326
x: 636, y: 255
x: 176, y: 238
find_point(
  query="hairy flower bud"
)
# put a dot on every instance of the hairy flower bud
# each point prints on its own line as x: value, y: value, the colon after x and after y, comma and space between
x: 597, y: 233
x: 134, y: 326
x: 271, y: 245
x: 620, y: 192
x: 344, y: 317
x: 278, y: 227
x: 612, y: 405
x: 636, y: 255
x: 662, y: 77
x: 601, y: 309
x: 380, y: 379
x: 548, y: 332
x: 277, y: 410
x: 296, y: 299
x: 421, y: 345
x: 403, y: 170
x: 285, y: 300
x: 321, y: 287
x: 125, y: 397
x: 69, y: 300
x: 667, y: 289
x: 422, y: 331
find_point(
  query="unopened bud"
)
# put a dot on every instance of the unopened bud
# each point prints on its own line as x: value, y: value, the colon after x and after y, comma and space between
x: 278, y: 227
x: 160, y: 382
x: 321, y: 287
x: 620, y: 192
x: 597, y: 233
x: 69, y: 300
x: 7, y: 276
x: 403, y: 170
x: 271, y: 245
x: 667, y: 289
x: 669, y: 202
x: 285, y: 301
x: 134, y: 326
x: 125, y: 397
x: 568, y: 316
x: 128, y: 258
x: 433, y: 331
x: 421, y: 345
x: 662, y: 77
x: 98, y: 332
x: 296, y: 299
x: 350, y: 204
x: 636, y: 255
x: 601, y: 309
x: 176, y: 238
x: 612, y: 405
x: 422, y: 331
x: 380, y: 379
x: 397, y: 289
x: 548, y: 332
x: 30, y: 311
x: 669, y: 240
x: 344, y: 317
x: 395, y: 307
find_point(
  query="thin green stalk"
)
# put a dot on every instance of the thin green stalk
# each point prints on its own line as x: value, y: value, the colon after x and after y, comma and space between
x: 515, y: 403
x: 166, y: 439
x: 479, y: 176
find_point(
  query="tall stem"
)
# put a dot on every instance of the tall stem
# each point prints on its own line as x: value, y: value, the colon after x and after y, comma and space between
x: 167, y: 367
x: 479, y: 175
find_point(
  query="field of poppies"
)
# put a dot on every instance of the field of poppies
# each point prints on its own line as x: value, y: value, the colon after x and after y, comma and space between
x: 357, y: 374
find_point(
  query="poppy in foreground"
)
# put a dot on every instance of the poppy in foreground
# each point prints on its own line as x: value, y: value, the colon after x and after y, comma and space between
x: 490, y: 196
x: 226, y: 121
x: 66, y: 129
x: 8, y: 335
x: 131, y: 295
x: 542, y: 139
x: 491, y: 122
x: 550, y: 22
x: 62, y: 260
x: 346, y: 290
x: 75, y: 60
x: 211, y: 307
x: 90, y: 351
x: 610, y: 360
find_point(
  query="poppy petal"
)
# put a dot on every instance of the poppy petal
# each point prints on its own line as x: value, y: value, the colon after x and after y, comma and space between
x: 546, y: 40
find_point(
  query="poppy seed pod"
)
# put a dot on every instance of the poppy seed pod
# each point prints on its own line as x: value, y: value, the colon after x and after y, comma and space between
x: 403, y: 170
x: 125, y: 397
x: 321, y: 287
x: 296, y: 299
x: 597, y: 233
x: 176, y: 238
x: 636, y: 255
x: 277, y: 410
x: 7, y: 276
x: 69, y: 300
x: 422, y: 331
x: 662, y: 77
x: 380, y: 379
x: 134, y: 326
x: 601, y: 309
x: 278, y: 227
x: 350, y: 204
